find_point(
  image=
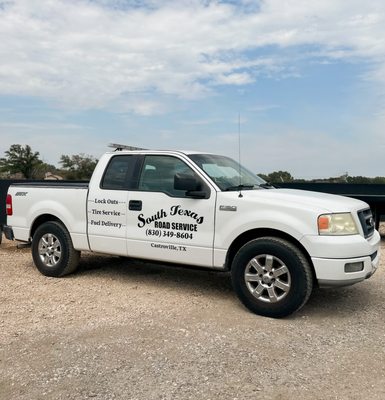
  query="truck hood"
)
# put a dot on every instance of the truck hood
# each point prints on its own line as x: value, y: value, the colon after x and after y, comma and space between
x: 315, y: 201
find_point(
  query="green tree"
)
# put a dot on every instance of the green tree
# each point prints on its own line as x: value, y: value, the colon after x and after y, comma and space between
x: 42, y: 169
x: 78, y: 166
x: 364, y: 179
x: 21, y: 159
x: 378, y: 179
x: 264, y: 177
x: 277, y: 177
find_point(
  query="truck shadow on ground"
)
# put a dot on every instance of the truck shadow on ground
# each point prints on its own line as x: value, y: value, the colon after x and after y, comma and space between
x: 159, y: 275
x: 360, y: 298
x: 342, y: 302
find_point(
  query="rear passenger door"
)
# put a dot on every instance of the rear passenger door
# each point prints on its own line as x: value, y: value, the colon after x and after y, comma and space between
x: 108, y: 203
x: 166, y: 224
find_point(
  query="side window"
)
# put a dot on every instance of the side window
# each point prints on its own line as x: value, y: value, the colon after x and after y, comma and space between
x: 119, y: 173
x: 158, y: 174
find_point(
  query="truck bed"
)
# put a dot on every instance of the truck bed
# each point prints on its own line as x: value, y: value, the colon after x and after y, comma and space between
x: 6, y: 183
x: 64, y: 201
x: 54, y: 184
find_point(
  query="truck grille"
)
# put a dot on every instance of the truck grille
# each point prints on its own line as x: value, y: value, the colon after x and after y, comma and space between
x: 367, y: 221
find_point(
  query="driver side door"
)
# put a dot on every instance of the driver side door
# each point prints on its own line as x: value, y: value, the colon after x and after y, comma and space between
x: 166, y: 224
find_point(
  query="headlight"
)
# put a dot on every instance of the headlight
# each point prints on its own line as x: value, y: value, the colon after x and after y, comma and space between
x: 337, y: 224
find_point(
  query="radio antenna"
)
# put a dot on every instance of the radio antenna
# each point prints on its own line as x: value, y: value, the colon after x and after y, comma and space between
x: 239, y: 154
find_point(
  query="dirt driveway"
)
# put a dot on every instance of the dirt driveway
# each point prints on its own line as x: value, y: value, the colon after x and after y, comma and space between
x: 118, y: 330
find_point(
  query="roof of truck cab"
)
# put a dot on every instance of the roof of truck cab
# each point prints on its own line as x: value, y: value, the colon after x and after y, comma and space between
x: 184, y: 152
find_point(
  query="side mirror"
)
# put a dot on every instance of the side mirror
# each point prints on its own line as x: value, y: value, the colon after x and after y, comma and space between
x: 191, y: 185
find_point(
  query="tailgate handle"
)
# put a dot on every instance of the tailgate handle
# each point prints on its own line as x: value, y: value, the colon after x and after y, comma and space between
x: 135, y: 205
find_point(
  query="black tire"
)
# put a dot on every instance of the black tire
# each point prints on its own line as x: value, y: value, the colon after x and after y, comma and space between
x: 52, y: 250
x: 271, y: 277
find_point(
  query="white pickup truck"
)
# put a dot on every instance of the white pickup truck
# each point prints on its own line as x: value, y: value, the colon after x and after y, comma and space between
x: 200, y: 210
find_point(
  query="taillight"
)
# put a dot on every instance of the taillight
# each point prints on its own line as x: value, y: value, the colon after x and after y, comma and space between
x: 9, y: 205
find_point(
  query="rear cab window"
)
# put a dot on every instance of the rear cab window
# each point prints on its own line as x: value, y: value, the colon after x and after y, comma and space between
x: 121, y: 173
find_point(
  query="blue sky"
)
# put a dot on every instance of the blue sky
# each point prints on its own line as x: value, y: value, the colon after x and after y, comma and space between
x: 307, y: 77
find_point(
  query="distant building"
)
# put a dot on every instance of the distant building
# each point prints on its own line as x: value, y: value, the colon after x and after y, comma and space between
x: 17, y: 175
x: 49, y: 176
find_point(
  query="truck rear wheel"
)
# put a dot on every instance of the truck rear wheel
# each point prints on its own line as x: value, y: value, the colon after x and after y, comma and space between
x: 271, y: 277
x: 52, y: 250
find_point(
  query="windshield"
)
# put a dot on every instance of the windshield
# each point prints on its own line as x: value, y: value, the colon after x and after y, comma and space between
x: 227, y: 173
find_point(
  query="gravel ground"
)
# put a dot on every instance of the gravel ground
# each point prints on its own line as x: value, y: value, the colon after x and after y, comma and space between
x: 119, y: 330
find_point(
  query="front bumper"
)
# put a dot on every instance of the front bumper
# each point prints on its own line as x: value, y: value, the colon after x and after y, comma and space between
x: 332, y: 273
x: 332, y: 256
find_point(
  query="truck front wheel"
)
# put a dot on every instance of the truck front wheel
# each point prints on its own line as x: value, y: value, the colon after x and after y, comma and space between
x: 271, y: 277
x: 52, y: 250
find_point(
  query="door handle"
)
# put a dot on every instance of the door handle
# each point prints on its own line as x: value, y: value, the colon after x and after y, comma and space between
x: 135, y: 205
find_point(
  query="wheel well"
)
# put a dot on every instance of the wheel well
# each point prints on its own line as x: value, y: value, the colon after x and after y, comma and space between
x: 264, y: 232
x: 41, y: 220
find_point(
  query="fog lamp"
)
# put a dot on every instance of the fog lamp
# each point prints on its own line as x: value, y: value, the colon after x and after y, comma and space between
x: 354, y: 267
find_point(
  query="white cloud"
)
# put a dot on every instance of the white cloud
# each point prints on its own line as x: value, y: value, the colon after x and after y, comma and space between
x: 98, y: 54
x: 235, y: 79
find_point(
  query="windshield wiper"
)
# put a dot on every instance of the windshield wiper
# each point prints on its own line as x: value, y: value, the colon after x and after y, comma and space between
x: 266, y: 185
x: 239, y: 187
